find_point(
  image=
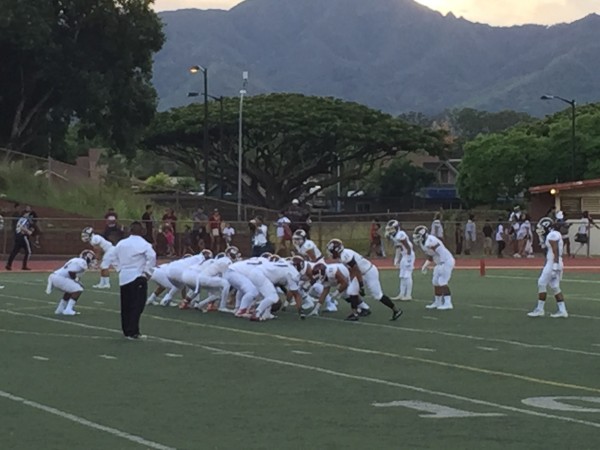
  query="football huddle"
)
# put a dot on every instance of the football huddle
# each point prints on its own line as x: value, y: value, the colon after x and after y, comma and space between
x: 257, y: 288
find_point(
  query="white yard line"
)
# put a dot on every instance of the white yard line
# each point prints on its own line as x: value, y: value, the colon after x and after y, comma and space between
x: 337, y: 374
x: 61, y: 335
x: 86, y: 423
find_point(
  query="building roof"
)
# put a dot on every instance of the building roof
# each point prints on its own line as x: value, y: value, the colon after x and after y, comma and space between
x: 570, y: 186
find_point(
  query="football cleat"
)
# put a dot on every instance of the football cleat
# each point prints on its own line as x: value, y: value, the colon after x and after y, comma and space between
x: 364, y: 313
x: 396, y: 315
x: 352, y: 318
x: 560, y: 315
x: 537, y: 313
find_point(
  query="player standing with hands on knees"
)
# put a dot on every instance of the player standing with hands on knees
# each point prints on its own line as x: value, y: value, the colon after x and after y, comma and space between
x: 135, y: 260
x: 437, y: 253
x: 404, y: 258
x: 551, y: 241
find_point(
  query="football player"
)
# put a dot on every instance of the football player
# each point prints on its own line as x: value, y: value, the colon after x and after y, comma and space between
x: 208, y: 274
x: 282, y: 274
x: 305, y: 247
x: 312, y: 287
x: 404, y: 258
x: 66, y: 279
x: 437, y: 253
x: 160, y: 276
x: 337, y: 277
x: 362, y: 274
x: 107, y: 250
x: 551, y: 241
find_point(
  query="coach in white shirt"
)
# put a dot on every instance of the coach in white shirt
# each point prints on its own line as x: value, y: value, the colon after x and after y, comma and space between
x: 135, y: 260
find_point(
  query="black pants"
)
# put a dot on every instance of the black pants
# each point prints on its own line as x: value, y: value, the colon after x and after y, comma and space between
x: 21, y: 243
x: 258, y: 250
x: 501, y: 247
x: 133, y: 300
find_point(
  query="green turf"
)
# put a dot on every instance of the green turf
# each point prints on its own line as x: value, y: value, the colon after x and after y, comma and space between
x: 210, y: 381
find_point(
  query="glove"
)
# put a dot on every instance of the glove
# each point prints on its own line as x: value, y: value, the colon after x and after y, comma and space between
x: 397, y: 257
x: 555, y: 267
x: 361, y: 290
x: 425, y: 267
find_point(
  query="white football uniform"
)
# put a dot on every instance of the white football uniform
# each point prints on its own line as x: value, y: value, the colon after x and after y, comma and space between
x: 176, y: 268
x: 61, y: 278
x: 524, y: 230
x: 251, y: 270
x: 208, y: 275
x: 309, y: 245
x: 108, y: 250
x: 549, y: 277
x: 443, y: 259
x: 369, y: 272
x: 403, y: 259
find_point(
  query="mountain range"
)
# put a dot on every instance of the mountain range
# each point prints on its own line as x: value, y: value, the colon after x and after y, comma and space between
x: 393, y: 55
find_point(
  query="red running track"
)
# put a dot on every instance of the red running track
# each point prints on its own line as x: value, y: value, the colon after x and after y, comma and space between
x: 571, y: 265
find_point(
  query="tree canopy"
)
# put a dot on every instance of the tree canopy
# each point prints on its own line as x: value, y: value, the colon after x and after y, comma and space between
x: 84, y: 61
x: 503, y: 165
x: 293, y: 144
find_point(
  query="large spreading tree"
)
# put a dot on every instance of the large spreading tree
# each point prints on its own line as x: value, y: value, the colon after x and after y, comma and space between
x: 504, y: 165
x: 76, y: 61
x: 293, y: 144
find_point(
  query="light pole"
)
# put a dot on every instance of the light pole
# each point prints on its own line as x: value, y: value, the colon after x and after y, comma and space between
x: 204, y: 70
x: 219, y: 99
x: 573, y: 112
x: 240, y: 145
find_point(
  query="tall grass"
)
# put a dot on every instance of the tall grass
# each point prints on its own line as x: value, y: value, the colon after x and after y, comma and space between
x: 19, y: 182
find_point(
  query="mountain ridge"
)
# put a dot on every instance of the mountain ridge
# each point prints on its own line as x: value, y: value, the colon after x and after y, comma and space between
x: 393, y: 55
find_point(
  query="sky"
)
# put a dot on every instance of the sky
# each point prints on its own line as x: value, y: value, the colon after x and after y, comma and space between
x: 494, y: 12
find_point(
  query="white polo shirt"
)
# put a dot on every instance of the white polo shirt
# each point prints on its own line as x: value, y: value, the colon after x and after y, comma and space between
x: 134, y: 256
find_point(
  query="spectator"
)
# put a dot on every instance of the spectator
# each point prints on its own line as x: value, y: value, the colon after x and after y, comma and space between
x: 563, y: 228
x: 188, y: 247
x: 228, y: 233
x: 470, y: 234
x: 524, y: 234
x: 170, y: 219
x: 515, y: 222
x: 295, y: 214
x: 284, y: 233
x: 459, y: 237
x: 148, y: 222
x: 375, y: 239
x: 199, y: 226
x: 260, y: 239
x: 214, y: 223
x: 112, y: 231
x: 583, y: 231
x: 437, y: 229
x: 487, y: 238
x: 500, y: 238
x: 170, y: 239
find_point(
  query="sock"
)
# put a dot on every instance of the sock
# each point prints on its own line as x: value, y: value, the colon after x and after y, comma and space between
x: 387, y: 302
x: 541, y: 304
x: 447, y: 299
x: 62, y: 304
x: 561, y: 306
x: 152, y: 297
x: 402, y: 287
x: 363, y: 305
x: 71, y: 303
x: 105, y: 281
x: 408, y: 284
x: 317, y: 308
x: 438, y: 300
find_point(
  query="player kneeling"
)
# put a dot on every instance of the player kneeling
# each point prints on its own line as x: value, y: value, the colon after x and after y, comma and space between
x: 66, y: 279
x: 551, y: 240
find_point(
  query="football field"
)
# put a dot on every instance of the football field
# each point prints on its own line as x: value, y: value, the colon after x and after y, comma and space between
x: 483, y: 376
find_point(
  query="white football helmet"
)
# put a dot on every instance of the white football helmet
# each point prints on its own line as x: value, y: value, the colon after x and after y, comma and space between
x: 86, y: 234
x: 233, y: 253
x: 420, y: 234
x: 89, y: 257
x: 299, y: 237
x: 392, y: 228
x: 335, y: 247
x: 208, y: 254
x: 544, y: 226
